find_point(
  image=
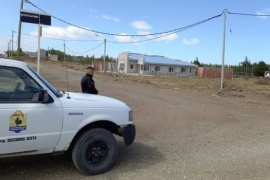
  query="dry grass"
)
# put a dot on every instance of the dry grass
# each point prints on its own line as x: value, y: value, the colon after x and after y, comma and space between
x: 238, y: 87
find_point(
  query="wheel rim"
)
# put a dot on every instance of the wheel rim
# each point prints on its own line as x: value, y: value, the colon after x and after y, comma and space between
x: 97, y: 152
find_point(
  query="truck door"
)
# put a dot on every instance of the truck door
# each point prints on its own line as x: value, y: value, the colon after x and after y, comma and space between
x: 25, y: 123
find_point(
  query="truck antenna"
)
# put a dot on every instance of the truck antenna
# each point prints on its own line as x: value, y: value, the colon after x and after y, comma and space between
x: 66, y: 68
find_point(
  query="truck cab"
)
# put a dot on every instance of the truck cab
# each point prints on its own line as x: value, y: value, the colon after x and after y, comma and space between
x: 36, y: 118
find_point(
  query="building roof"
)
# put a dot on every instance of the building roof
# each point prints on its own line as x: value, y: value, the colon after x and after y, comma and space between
x: 155, y: 59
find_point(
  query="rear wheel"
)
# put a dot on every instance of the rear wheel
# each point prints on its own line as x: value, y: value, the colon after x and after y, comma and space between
x: 95, y: 151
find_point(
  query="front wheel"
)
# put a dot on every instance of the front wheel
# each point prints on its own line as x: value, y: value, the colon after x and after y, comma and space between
x: 95, y: 151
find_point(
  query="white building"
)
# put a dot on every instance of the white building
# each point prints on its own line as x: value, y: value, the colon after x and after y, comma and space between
x: 154, y: 65
x: 53, y: 57
x: 35, y: 54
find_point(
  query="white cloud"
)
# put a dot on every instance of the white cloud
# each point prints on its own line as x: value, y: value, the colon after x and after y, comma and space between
x: 142, y: 32
x: 263, y: 12
x: 28, y: 43
x: 106, y: 17
x: 167, y: 38
x: 110, y: 18
x: 124, y: 38
x: 4, y: 44
x: 192, y: 41
x: 69, y: 32
x: 141, y: 25
x: 116, y: 19
x: 94, y: 13
x: 93, y: 10
x: 145, y: 33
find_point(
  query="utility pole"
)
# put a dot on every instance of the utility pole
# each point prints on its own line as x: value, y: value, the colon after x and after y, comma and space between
x: 38, y: 53
x: 223, y: 52
x: 64, y: 52
x: 19, y: 33
x: 48, y: 54
x: 104, y: 55
x: 8, y: 54
x: 65, y: 64
x: 12, y: 41
x: 10, y: 49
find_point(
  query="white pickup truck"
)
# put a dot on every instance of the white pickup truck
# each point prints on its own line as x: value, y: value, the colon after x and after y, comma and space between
x: 36, y: 118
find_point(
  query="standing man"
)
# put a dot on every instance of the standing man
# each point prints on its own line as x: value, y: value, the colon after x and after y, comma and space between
x: 87, y: 82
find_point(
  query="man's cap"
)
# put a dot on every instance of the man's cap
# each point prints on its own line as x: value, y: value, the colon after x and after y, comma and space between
x: 89, y: 67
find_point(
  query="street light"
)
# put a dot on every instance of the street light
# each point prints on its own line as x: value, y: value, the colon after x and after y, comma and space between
x: 104, y: 56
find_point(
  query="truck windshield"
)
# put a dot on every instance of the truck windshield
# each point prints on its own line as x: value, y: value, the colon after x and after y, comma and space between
x: 55, y: 91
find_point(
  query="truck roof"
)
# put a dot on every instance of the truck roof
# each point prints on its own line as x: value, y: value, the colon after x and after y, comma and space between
x: 12, y: 62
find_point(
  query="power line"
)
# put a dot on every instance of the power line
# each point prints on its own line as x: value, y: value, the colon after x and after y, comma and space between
x: 113, y: 34
x: 247, y: 14
x: 163, y: 35
x: 173, y: 32
x: 57, y: 38
x: 73, y: 52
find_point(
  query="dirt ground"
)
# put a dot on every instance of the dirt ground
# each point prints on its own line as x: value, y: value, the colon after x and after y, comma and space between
x: 186, y: 128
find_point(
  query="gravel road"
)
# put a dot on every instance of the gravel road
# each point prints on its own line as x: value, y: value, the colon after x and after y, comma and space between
x: 181, y: 134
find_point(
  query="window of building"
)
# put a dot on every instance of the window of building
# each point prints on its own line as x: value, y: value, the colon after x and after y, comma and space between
x: 157, y: 68
x: 146, y: 67
x: 131, y: 66
x: 190, y: 70
x: 141, y: 67
x: 183, y: 70
x: 122, y: 66
x: 170, y: 69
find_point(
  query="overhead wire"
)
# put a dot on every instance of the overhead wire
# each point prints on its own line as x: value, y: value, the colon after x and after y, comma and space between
x: 58, y: 38
x: 113, y: 34
x: 73, y: 52
x: 174, y: 32
x: 247, y: 14
x: 160, y: 34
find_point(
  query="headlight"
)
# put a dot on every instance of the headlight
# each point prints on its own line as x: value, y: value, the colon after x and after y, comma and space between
x: 130, y: 116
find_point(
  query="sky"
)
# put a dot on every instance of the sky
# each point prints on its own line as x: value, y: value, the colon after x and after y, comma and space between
x: 145, y: 27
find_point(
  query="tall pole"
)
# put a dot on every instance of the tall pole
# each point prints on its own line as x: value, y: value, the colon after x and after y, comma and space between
x: 104, y: 58
x: 66, y: 65
x: 19, y: 34
x: 38, y: 60
x: 10, y: 49
x: 12, y: 41
x: 64, y: 52
x: 223, y: 52
x: 8, y: 54
x: 104, y: 55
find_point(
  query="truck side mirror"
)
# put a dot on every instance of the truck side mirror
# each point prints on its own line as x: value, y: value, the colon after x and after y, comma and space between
x: 43, y: 96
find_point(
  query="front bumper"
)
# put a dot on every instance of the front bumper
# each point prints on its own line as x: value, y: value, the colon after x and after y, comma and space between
x: 128, y: 133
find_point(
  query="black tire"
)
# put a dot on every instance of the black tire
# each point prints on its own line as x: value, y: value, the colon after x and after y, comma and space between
x: 95, y: 151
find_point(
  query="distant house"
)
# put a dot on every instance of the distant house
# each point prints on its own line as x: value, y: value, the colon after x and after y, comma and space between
x: 53, y: 57
x: 31, y: 54
x: 267, y: 74
x: 35, y: 54
x: 99, y: 66
x: 154, y: 65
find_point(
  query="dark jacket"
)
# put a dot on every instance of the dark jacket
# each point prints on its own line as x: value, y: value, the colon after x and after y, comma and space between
x: 88, y: 85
